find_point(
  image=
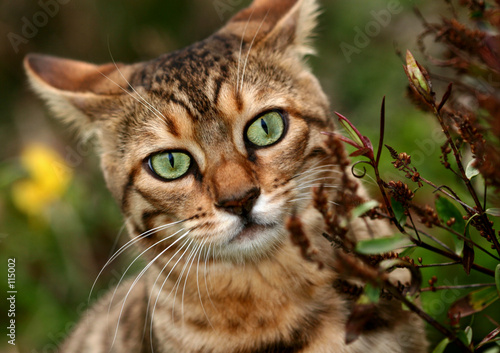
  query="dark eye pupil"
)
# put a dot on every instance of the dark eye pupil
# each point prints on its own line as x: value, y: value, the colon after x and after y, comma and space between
x: 171, y: 159
x: 264, y: 126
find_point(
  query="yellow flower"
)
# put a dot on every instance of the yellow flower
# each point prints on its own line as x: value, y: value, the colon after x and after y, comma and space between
x: 49, y: 179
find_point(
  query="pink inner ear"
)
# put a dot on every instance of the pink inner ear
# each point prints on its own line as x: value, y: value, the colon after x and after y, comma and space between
x: 71, y: 75
x: 264, y: 14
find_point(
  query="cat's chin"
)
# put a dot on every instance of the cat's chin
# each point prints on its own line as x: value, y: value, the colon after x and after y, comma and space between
x: 253, y: 242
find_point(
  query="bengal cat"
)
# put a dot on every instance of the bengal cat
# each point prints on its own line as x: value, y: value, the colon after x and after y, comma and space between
x: 208, y: 150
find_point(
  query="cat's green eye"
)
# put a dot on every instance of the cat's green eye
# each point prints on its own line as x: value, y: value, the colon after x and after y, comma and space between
x: 170, y: 165
x: 266, y: 130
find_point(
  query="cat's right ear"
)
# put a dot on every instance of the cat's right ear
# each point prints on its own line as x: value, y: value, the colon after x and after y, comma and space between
x: 283, y: 25
x: 77, y: 92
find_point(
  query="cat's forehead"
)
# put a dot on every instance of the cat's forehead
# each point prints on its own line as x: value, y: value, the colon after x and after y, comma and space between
x: 189, y: 68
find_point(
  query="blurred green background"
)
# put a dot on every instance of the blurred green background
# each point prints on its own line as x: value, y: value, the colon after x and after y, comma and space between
x: 56, y: 216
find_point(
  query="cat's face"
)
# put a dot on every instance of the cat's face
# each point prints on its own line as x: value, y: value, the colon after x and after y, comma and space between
x: 212, y: 146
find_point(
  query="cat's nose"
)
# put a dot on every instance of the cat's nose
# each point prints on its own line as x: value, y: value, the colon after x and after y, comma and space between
x: 242, y: 204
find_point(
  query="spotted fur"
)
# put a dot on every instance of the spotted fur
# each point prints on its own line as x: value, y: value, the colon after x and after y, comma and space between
x: 221, y: 275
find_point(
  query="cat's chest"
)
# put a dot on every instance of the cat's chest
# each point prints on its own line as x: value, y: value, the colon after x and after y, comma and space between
x: 250, y: 310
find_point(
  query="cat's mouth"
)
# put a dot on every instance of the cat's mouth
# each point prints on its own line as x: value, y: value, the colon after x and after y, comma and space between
x: 252, y: 231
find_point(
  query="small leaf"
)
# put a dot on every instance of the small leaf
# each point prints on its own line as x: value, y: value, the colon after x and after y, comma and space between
x: 354, y: 133
x: 495, y: 212
x: 415, y: 73
x: 497, y: 277
x: 363, y: 208
x: 441, y: 346
x: 382, y: 245
x: 447, y: 211
x: 473, y: 302
x: 399, y: 211
x: 407, y: 251
x: 372, y: 293
x: 462, y: 336
x: 471, y: 171
x: 468, y: 332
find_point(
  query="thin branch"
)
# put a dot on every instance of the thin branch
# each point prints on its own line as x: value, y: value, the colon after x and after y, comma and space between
x: 440, y: 264
x: 470, y: 241
x: 464, y: 286
x: 432, y: 238
x: 396, y: 293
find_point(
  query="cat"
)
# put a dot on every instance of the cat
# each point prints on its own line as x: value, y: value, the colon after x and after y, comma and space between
x: 208, y: 151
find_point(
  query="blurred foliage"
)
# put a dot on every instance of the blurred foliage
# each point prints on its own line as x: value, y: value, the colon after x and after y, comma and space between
x: 61, y: 244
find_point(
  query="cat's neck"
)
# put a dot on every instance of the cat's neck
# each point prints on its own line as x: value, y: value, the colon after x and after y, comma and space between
x: 242, y: 301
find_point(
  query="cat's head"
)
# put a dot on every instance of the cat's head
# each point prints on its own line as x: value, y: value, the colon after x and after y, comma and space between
x: 216, y: 144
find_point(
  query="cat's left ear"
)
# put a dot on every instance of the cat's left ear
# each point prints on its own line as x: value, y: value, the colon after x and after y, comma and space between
x: 77, y: 92
x: 281, y: 24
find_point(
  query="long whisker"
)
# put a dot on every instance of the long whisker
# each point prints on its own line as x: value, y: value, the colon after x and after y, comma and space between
x: 207, y: 255
x: 159, y: 275
x: 241, y: 49
x: 316, y: 166
x: 163, y: 284
x: 140, y: 276
x: 185, y: 281
x: 127, y: 245
x: 198, y: 283
x: 249, y: 50
x: 132, y: 87
x: 179, y: 280
x: 137, y: 258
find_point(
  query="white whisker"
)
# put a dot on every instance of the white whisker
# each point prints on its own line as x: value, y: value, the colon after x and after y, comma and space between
x: 195, y: 251
x: 126, y: 246
x: 198, y: 283
x: 249, y: 50
x: 241, y: 49
x: 140, y: 276
x: 163, y: 284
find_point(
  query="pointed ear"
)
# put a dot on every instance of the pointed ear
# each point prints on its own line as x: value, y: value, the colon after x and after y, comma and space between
x: 281, y: 24
x: 77, y: 92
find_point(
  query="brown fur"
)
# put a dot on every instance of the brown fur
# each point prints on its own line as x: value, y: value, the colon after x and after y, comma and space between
x: 225, y: 277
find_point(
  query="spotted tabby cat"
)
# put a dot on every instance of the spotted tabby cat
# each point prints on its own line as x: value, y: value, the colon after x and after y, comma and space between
x: 208, y: 151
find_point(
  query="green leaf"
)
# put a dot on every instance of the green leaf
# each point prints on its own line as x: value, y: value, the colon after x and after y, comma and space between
x: 473, y: 302
x: 373, y: 293
x: 441, y: 346
x: 353, y: 133
x: 407, y: 251
x: 468, y: 332
x: 493, y: 211
x: 471, y: 171
x: 497, y: 277
x: 399, y: 211
x: 363, y: 208
x: 446, y: 211
x: 382, y: 245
